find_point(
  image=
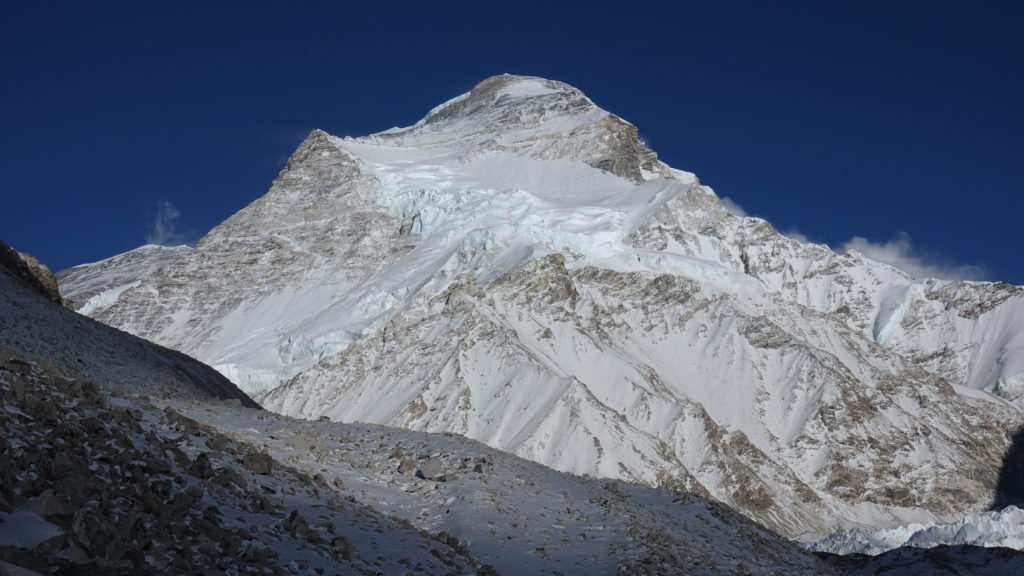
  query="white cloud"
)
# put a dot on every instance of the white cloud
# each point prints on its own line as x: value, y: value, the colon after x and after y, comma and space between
x: 798, y: 236
x: 733, y: 207
x: 162, y: 231
x: 899, y: 252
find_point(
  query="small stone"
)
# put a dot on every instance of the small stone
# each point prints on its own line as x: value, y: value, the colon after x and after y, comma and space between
x: 202, y: 466
x: 343, y: 546
x: 298, y: 525
x: 452, y: 542
x: 93, y: 532
x: 216, y: 443
x: 20, y: 389
x: 229, y: 477
x: 64, y: 463
x: 154, y: 465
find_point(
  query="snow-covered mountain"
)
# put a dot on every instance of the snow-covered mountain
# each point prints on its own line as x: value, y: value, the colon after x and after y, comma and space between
x: 119, y: 457
x: 519, y: 267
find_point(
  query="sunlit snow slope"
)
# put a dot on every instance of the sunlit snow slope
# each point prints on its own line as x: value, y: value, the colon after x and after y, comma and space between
x: 519, y: 268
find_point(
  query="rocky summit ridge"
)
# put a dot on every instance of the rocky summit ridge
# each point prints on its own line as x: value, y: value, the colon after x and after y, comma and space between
x: 520, y: 269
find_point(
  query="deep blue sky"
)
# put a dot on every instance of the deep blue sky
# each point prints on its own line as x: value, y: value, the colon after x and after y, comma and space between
x: 897, y: 122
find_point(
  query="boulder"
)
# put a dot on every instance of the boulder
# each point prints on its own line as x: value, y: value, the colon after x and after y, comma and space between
x: 343, y: 547
x: 46, y: 505
x: 431, y: 469
x: 299, y: 526
x: 258, y: 463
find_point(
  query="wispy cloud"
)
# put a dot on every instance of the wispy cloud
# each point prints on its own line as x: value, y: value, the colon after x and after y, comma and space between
x: 162, y: 231
x: 730, y: 205
x: 900, y: 252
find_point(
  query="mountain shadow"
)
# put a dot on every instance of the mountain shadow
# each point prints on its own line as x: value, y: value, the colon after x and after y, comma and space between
x: 1010, y: 489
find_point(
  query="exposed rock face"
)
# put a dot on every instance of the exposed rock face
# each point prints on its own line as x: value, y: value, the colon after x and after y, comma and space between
x: 32, y: 272
x: 627, y: 157
x: 520, y: 269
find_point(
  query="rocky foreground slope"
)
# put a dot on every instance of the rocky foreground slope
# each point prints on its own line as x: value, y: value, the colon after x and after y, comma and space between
x: 519, y: 268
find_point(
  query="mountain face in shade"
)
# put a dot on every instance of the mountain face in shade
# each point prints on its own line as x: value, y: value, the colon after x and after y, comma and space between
x: 518, y: 267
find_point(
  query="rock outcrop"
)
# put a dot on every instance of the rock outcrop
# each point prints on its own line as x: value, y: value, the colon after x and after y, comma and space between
x: 32, y: 272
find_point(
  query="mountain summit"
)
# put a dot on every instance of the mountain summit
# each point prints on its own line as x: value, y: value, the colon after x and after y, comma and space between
x: 519, y: 268
x: 544, y: 118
